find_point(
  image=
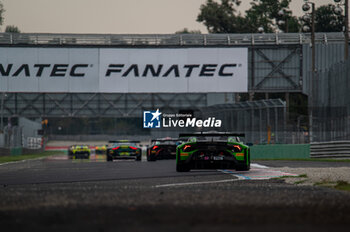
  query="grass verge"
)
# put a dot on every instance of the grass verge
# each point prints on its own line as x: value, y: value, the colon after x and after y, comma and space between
x: 300, y: 181
x: 300, y: 176
x: 12, y: 158
x: 339, y: 185
x: 342, y: 185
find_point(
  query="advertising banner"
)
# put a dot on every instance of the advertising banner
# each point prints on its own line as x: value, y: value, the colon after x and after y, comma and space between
x: 124, y: 70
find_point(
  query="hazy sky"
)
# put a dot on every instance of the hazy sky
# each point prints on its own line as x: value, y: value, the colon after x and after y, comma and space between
x: 111, y: 16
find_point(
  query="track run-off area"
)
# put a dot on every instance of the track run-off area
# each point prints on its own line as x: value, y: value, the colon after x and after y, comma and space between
x: 60, y: 169
x: 56, y: 193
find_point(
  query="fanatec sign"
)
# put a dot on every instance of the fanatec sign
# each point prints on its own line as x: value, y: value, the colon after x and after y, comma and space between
x: 183, y: 70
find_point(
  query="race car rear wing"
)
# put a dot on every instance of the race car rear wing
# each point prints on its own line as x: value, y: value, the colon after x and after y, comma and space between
x: 123, y: 141
x: 211, y: 134
x: 165, y: 140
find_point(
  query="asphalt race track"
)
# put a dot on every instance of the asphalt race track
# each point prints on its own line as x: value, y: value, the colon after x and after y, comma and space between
x: 57, y: 194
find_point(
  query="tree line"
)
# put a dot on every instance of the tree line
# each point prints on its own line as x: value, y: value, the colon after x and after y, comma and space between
x: 222, y: 16
x: 9, y: 28
x: 263, y: 16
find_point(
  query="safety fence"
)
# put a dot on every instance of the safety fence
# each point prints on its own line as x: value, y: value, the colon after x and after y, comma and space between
x: 330, y: 104
x: 12, y: 137
x: 262, y: 121
x: 166, y: 39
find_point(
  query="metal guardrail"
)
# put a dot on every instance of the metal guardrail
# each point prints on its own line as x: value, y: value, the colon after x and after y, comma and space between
x: 247, y: 105
x: 167, y: 39
x: 334, y: 149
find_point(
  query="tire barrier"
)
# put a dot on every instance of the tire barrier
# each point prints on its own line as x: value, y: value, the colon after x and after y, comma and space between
x: 332, y: 149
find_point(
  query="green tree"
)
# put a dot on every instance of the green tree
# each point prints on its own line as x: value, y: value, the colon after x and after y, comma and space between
x: 327, y: 20
x: 293, y: 24
x: 186, y: 31
x: 2, y: 10
x: 222, y: 17
x: 272, y: 15
x: 12, y: 29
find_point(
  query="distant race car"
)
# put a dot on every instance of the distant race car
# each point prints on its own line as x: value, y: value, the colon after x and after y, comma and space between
x: 79, y: 152
x: 101, y: 150
x: 214, y: 150
x: 164, y: 148
x: 123, y: 149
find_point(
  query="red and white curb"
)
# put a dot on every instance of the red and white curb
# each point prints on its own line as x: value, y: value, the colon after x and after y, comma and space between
x: 257, y: 172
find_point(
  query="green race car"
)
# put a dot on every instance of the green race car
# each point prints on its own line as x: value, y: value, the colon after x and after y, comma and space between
x: 79, y: 152
x: 213, y: 150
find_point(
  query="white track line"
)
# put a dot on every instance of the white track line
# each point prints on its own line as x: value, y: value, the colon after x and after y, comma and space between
x: 25, y: 160
x: 258, y: 165
x: 22, y: 161
x: 196, y: 183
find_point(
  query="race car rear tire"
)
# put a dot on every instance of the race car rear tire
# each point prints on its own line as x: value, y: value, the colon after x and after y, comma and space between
x: 152, y: 158
x: 109, y: 158
x: 70, y: 155
x: 242, y: 167
x: 182, y: 168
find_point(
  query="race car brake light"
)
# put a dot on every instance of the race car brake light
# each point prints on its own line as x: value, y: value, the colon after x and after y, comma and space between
x: 155, y: 147
x: 115, y: 148
x: 189, y: 148
x: 134, y: 148
x: 236, y: 148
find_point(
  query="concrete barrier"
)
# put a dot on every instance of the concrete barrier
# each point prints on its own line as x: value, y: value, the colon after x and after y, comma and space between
x: 280, y: 151
x: 2, y: 139
x: 16, y: 151
x: 10, y: 151
x: 5, y: 151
